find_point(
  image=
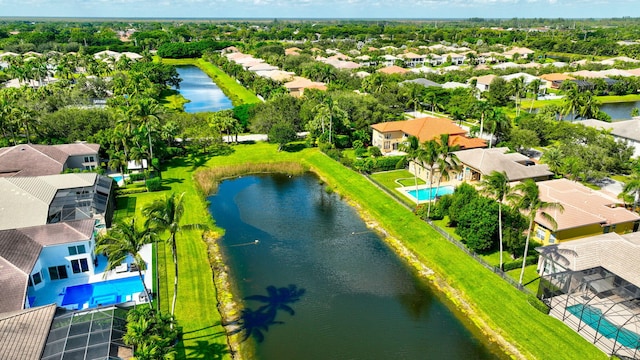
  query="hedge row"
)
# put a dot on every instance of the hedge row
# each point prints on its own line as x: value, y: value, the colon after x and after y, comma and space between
x: 511, y: 265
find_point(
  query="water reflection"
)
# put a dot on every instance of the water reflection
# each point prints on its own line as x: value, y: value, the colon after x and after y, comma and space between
x: 359, y: 300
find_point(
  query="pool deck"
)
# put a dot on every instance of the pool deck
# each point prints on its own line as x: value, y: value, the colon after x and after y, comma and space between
x: 54, y: 291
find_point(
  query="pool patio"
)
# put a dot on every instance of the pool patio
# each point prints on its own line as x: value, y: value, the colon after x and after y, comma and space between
x: 54, y: 291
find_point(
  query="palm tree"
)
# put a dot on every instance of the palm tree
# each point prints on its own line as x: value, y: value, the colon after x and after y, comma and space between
x: 589, y: 106
x: 329, y: 109
x: 165, y: 214
x: 497, y: 186
x: 517, y: 86
x: 446, y: 159
x: 632, y: 187
x: 124, y: 240
x: 528, y: 200
x: 553, y: 157
x: 572, y: 100
x: 147, y: 111
x: 428, y: 155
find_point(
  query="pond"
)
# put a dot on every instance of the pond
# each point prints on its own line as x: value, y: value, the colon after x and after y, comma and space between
x: 204, y: 94
x: 620, y: 111
x: 323, y: 284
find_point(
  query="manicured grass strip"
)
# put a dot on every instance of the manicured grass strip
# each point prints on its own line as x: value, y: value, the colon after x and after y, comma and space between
x: 237, y: 93
x: 526, y: 103
x: 502, y: 307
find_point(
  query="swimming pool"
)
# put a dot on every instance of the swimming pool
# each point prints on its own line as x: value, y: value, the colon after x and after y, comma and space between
x: 102, y: 293
x: 593, y: 317
x: 429, y: 193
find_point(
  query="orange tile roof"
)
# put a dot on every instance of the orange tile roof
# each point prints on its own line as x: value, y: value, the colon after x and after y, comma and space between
x: 430, y: 128
x: 556, y: 76
x: 393, y: 69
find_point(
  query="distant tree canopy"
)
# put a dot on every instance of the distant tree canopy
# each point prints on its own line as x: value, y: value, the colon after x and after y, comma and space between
x: 179, y: 50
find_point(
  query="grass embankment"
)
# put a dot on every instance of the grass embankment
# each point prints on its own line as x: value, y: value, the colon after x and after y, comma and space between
x: 489, y: 302
x: 237, y: 93
x: 196, y: 312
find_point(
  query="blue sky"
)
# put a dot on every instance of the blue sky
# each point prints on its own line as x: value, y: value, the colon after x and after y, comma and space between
x: 323, y: 8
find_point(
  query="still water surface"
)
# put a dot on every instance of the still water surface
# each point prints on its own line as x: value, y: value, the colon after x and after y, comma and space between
x: 204, y: 94
x: 620, y: 111
x: 359, y: 301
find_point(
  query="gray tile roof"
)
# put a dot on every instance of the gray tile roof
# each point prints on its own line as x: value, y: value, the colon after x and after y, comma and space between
x: 23, y: 333
x: 422, y: 81
x: 38, y: 160
x: 20, y: 249
x: 628, y: 129
x: 496, y: 159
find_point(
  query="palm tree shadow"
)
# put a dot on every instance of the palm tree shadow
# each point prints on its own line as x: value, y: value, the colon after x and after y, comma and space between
x: 204, y: 350
x: 257, y: 322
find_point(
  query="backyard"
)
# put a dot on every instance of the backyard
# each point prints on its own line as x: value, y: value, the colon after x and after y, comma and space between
x: 482, y: 298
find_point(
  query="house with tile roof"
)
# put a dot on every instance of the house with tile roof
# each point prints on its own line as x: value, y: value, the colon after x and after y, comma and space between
x: 522, y: 52
x: 34, y: 257
x: 23, y: 333
x: 297, y: 86
x: 587, y: 212
x: 389, y: 135
x: 476, y: 163
x: 483, y: 83
x: 554, y: 80
x: 393, y: 69
x: 37, y: 160
x: 39, y: 200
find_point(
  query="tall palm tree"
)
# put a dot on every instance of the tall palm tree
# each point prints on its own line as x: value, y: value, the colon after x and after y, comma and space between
x: 428, y: 155
x: 329, y: 109
x: 446, y: 159
x: 165, y: 214
x: 497, y: 186
x: 147, y: 111
x: 528, y: 200
x: 124, y: 240
x: 572, y: 100
x: 517, y: 86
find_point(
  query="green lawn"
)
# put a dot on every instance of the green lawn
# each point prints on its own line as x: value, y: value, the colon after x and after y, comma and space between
x: 526, y: 103
x: 196, y: 310
x: 397, y: 178
x: 237, y: 93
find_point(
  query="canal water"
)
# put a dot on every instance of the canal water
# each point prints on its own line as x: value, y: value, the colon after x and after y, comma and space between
x: 204, y: 94
x: 318, y: 284
x: 620, y: 111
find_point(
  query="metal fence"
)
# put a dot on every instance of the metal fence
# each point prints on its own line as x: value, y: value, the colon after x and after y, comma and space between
x: 455, y: 242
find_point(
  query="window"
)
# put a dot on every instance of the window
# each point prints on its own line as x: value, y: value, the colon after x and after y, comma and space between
x: 552, y: 239
x: 58, y: 272
x: 89, y: 159
x: 387, y: 136
x: 540, y: 234
x: 37, y: 278
x: 79, y: 265
x: 75, y: 250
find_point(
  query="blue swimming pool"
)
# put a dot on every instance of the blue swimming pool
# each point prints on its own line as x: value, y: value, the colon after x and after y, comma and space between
x: 430, y: 193
x: 593, y: 317
x: 117, y: 178
x: 102, y: 293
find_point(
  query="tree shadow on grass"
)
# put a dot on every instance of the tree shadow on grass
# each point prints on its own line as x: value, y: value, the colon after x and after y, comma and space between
x: 296, y: 147
x: 202, y: 350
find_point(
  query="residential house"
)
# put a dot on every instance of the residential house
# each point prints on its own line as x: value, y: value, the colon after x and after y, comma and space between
x: 412, y: 60
x: 23, y: 333
x: 455, y: 59
x: 476, y: 163
x: 612, y: 61
x: 627, y: 131
x: 36, y: 160
x: 436, y: 60
x: 521, y: 52
x: 36, y: 256
x: 527, y: 78
x: 39, y: 200
x: 586, y: 212
x: 297, y: 86
x: 389, y: 135
x: 389, y: 60
x: 506, y: 65
x: 554, y: 80
x: 593, y: 286
x: 483, y: 83
x: 393, y: 70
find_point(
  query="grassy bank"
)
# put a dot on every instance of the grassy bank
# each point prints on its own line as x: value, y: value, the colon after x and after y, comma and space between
x: 493, y: 305
x: 196, y: 312
x: 237, y: 93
